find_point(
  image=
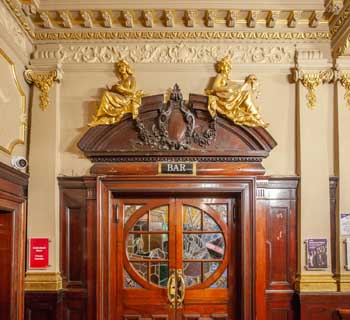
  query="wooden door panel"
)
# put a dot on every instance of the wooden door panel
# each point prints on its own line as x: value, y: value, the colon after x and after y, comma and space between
x: 193, y: 240
x: 6, y: 231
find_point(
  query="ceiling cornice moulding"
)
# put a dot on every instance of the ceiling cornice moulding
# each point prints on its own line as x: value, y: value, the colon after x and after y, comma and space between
x: 108, y: 20
x: 183, y: 35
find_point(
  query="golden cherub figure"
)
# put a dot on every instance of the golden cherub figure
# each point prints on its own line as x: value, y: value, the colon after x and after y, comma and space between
x: 232, y: 99
x: 121, y: 99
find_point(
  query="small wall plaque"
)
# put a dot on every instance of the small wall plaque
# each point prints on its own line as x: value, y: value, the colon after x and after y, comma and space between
x: 177, y: 168
x: 39, y: 253
x: 347, y: 254
x: 316, y: 254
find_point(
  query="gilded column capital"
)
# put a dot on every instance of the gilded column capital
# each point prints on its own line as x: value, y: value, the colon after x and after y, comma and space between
x: 44, y: 82
x: 311, y: 80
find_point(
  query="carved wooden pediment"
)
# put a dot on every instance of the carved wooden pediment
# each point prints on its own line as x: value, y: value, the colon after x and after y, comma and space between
x: 176, y: 130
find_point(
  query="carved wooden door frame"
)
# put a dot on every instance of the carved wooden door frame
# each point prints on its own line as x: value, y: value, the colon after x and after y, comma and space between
x: 109, y: 186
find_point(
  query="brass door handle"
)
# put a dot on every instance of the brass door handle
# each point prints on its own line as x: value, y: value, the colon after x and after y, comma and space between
x: 180, y: 292
x: 172, y: 289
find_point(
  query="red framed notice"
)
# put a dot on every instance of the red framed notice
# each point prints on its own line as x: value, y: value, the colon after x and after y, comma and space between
x: 38, y: 253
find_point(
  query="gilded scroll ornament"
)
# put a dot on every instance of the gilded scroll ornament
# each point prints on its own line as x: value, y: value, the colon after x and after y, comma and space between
x: 311, y: 81
x: 44, y: 82
x: 121, y: 99
x: 345, y: 82
x: 233, y: 100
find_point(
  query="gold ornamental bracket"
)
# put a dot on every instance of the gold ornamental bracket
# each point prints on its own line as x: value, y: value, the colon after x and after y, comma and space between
x: 344, y: 80
x: 311, y: 80
x: 44, y: 82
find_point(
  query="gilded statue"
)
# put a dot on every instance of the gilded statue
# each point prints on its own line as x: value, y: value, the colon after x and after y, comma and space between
x: 233, y: 100
x: 119, y: 100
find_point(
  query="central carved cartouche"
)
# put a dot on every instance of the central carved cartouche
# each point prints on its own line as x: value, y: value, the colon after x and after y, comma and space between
x: 159, y: 137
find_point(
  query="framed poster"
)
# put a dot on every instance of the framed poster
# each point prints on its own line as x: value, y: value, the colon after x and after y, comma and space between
x: 316, y: 254
x: 345, y: 224
x: 347, y: 254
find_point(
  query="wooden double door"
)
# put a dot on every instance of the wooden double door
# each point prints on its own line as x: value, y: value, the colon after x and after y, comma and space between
x: 175, y: 258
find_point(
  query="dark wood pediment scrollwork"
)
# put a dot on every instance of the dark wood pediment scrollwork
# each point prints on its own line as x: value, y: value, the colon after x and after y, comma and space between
x: 177, y: 130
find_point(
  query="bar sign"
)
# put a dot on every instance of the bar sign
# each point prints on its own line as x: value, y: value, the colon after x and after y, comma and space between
x: 181, y: 168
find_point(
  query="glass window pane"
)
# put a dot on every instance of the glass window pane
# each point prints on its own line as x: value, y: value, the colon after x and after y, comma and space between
x: 147, y: 246
x: 203, y: 246
x: 158, y: 219
x: 141, y: 268
x: 129, y: 282
x: 141, y: 224
x: 192, y: 273
x: 221, y: 209
x: 209, y: 268
x: 129, y: 210
x: 209, y: 224
x: 192, y: 218
x: 221, y: 282
x: 159, y: 274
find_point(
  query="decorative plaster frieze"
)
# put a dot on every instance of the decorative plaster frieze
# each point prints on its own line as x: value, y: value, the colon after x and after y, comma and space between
x: 311, y: 80
x: 44, y: 82
x: 184, y: 35
x: 168, y: 53
x: 9, y: 25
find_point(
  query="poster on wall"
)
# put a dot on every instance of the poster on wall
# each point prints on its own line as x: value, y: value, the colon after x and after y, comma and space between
x: 347, y: 254
x: 38, y: 253
x: 316, y: 254
x: 345, y: 224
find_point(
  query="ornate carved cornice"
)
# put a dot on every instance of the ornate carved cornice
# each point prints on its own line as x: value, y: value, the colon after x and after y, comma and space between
x: 168, y: 53
x: 311, y: 80
x: 43, y: 81
x: 184, y: 35
x: 9, y: 25
x: 43, y: 23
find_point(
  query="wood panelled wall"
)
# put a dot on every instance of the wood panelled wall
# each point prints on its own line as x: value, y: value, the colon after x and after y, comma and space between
x: 276, y: 255
x: 13, y: 202
x: 278, y: 196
